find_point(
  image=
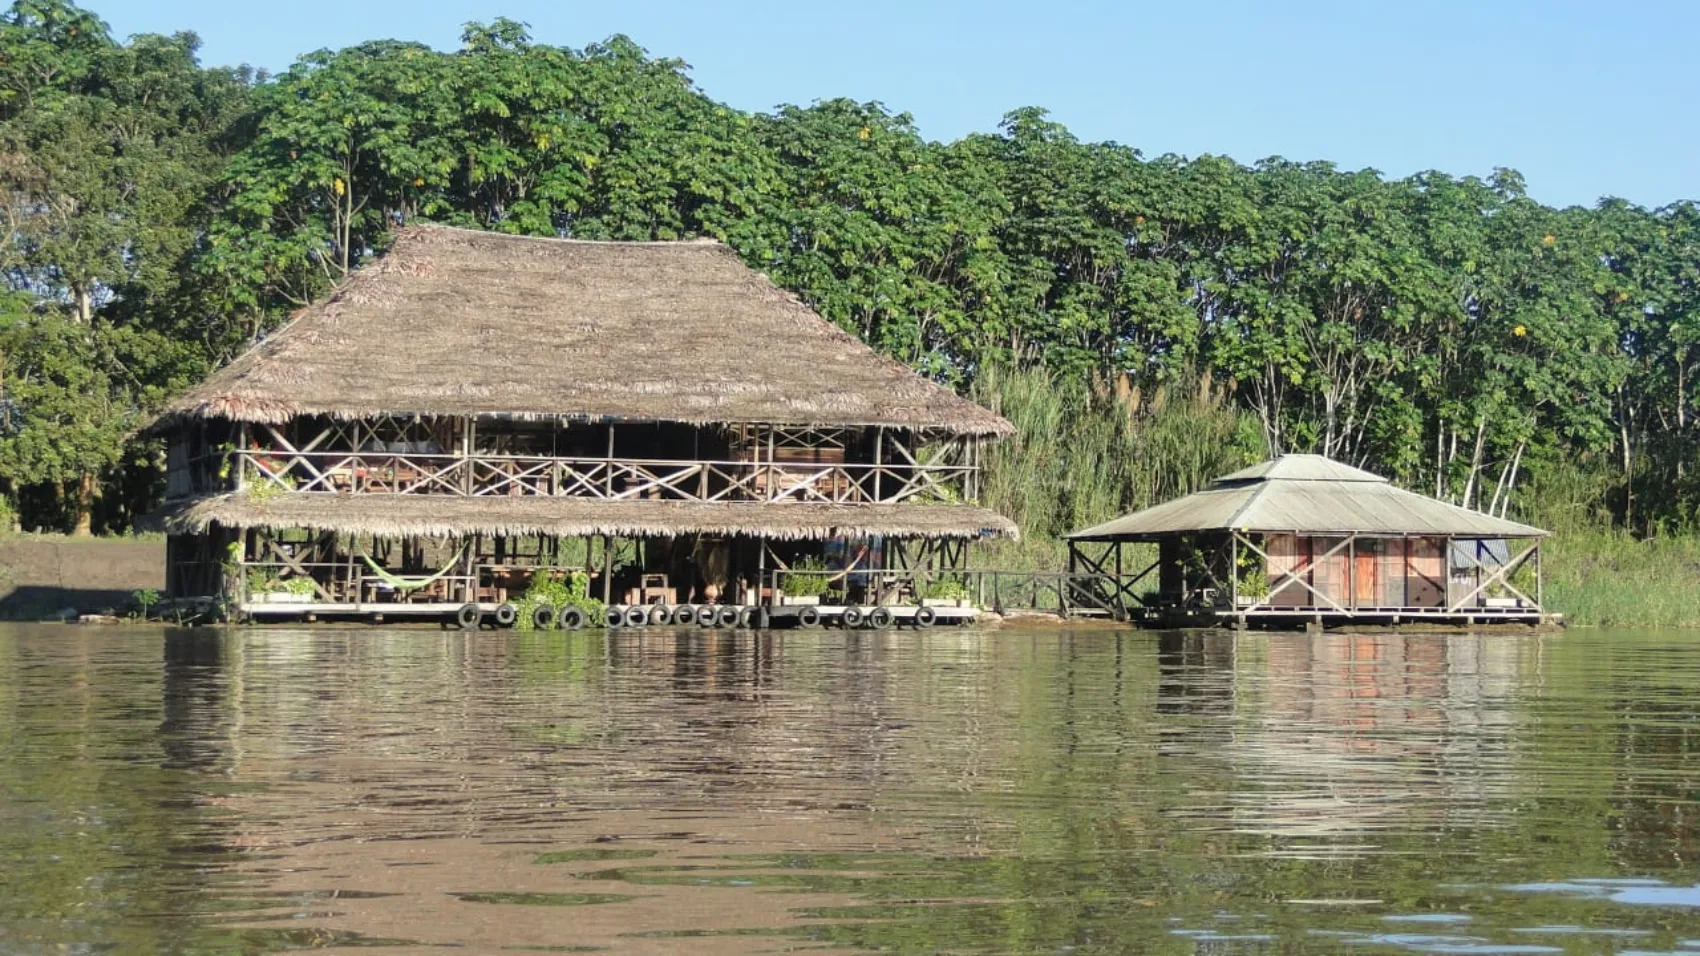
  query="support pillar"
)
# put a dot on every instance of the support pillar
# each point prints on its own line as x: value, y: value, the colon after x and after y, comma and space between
x: 608, y: 555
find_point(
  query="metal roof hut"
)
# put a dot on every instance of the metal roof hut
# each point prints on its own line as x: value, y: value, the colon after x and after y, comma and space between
x: 475, y: 387
x: 1307, y: 537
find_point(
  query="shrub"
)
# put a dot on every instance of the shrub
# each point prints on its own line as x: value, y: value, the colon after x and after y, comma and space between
x: 559, y: 589
x: 807, y: 578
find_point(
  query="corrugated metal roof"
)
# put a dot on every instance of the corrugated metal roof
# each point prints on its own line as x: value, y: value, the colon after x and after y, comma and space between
x: 1279, y: 497
x: 1302, y: 468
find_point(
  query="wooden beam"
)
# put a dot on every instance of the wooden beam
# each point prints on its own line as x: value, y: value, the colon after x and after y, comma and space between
x: 1293, y: 575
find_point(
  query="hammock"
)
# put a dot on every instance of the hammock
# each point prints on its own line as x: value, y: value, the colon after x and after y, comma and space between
x: 410, y: 584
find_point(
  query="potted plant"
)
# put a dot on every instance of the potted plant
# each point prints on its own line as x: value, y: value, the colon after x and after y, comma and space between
x: 265, y: 589
x: 805, y: 582
x: 944, y: 593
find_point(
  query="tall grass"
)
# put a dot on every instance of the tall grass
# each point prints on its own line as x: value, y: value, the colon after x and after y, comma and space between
x: 1608, y: 578
x: 1601, y: 575
x: 1084, y: 452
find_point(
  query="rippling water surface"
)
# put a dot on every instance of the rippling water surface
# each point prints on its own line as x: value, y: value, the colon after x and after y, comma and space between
x: 1044, y: 792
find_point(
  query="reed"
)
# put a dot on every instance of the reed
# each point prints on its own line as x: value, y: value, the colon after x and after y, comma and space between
x: 1084, y: 451
x: 1607, y: 578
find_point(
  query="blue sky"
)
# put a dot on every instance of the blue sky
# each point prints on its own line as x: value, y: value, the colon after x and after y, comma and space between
x: 1585, y: 99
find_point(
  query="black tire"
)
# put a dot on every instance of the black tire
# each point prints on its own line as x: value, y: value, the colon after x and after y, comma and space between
x: 705, y: 616
x: 660, y: 615
x: 571, y: 618
x: 468, y: 616
x: 684, y: 616
x: 614, y: 616
x: 808, y: 617
x: 879, y: 618
x: 728, y: 616
x: 749, y: 619
x: 505, y: 615
x: 852, y: 616
x: 637, y: 616
x: 543, y: 617
x: 925, y: 616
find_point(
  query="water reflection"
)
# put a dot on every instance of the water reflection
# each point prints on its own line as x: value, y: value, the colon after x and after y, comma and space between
x: 1093, y: 791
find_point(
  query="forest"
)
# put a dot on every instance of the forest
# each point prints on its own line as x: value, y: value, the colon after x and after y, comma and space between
x: 1148, y: 321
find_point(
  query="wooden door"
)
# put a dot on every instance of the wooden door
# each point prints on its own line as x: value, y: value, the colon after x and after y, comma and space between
x: 1425, y: 573
x: 1286, y: 554
x: 1365, y: 592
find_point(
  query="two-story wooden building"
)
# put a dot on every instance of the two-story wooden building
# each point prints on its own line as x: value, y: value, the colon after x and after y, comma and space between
x: 473, y: 409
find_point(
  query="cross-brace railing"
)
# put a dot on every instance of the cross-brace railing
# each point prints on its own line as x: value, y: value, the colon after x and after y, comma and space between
x: 1501, y: 576
x: 334, y: 472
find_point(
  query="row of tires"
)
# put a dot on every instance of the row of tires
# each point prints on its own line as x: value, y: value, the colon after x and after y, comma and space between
x: 545, y: 617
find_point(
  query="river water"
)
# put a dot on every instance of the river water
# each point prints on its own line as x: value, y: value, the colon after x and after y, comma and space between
x: 949, y: 791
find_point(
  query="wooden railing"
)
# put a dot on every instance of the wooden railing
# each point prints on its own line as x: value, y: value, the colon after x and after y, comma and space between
x: 1060, y: 592
x: 609, y: 479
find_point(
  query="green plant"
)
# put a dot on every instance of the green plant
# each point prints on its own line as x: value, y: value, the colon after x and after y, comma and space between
x: 807, y: 578
x: 302, y: 587
x: 944, y: 589
x: 144, y: 599
x: 559, y: 589
x: 260, y: 492
x: 1254, y: 583
x: 262, y: 581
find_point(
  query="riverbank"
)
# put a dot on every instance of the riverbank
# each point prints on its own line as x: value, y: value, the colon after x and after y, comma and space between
x: 46, y: 576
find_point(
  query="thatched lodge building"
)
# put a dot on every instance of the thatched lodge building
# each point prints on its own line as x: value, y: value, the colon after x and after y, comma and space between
x: 474, y: 412
x: 1306, y: 539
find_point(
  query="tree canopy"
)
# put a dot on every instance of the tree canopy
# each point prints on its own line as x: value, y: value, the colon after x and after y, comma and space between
x: 1449, y: 331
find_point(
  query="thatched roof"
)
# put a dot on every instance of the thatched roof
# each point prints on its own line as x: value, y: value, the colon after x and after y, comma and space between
x: 445, y: 516
x: 1306, y: 494
x: 460, y: 322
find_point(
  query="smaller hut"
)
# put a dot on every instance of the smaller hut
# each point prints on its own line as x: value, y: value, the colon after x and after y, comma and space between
x: 1304, y: 537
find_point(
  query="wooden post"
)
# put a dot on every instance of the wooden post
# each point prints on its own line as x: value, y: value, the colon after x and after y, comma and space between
x: 1121, y: 595
x: 466, y: 468
x: 239, y: 587
x: 971, y: 455
x: 608, y: 477
x: 240, y: 465
x: 879, y: 456
x: 1068, y: 579
x: 761, y: 574
x: 608, y: 555
x: 1234, y: 575
x: 1352, y: 570
x: 1540, y: 596
x: 772, y: 476
x: 468, y: 562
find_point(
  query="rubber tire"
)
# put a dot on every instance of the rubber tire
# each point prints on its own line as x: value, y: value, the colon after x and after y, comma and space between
x: 468, y: 617
x: 684, y: 615
x: 808, y: 617
x: 706, y: 615
x: 749, y: 619
x: 660, y: 615
x: 542, y: 617
x: 852, y: 617
x: 570, y: 619
x: 506, y: 614
x: 728, y: 616
x: 614, y: 616
x: 925, y: 617
x: 879, y: 618
x: 637, y: 615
